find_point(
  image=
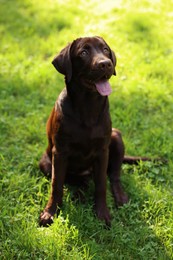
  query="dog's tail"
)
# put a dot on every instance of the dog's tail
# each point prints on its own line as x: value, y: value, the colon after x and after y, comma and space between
x: 136, y: 159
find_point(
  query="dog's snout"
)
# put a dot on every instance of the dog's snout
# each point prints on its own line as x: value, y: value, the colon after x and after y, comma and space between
x: 105, y: 64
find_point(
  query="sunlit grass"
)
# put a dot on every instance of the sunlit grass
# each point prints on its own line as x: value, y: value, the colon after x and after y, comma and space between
x: 141, y: 34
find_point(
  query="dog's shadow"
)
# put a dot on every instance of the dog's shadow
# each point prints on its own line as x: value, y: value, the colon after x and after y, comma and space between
x: 128, y: 230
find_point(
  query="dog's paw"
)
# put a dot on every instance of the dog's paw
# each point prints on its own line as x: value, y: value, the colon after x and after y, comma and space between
x: 119, y: 195
x: 46, y: 219
x: 103, y: 214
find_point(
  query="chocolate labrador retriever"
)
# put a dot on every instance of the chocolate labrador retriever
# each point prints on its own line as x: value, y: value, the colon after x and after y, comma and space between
x: 81, y: 140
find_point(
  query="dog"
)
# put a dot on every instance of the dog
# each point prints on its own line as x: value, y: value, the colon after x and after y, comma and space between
x: 81, y: 140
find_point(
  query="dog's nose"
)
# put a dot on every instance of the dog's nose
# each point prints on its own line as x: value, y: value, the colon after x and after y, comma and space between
x: 104, y: 64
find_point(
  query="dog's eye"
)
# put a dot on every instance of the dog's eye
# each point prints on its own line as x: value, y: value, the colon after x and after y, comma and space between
x: 84, y: 53
x: 106, y: 50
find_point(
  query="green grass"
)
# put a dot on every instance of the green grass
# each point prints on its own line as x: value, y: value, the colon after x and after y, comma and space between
x: 141, y: 34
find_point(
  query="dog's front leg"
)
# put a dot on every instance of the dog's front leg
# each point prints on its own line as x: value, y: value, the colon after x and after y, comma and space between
x: 100, y: 174
x: 59, y: 166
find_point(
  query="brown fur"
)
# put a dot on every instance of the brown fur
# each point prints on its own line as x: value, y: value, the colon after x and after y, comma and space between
x: 81, y: 140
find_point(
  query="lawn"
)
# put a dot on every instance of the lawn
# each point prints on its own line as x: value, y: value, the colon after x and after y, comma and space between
x: 141, y: 34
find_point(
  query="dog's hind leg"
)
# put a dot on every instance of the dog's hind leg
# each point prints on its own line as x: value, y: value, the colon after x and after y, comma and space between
x: 45, y: 163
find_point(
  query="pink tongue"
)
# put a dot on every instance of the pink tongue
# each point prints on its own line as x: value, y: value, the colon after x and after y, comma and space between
x: 103, y: 87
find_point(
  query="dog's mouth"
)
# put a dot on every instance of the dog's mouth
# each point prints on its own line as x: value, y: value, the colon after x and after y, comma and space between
x: 103, y: 87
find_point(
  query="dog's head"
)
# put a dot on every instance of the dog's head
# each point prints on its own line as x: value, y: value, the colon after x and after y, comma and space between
x: 88, y: 60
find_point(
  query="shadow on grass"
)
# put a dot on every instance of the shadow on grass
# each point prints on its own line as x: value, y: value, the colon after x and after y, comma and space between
x: 129, y: 237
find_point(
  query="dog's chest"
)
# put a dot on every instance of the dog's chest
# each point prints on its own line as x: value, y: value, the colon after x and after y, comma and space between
x: 84, y: 130
x: 83, y: 140
x: 82, y: 146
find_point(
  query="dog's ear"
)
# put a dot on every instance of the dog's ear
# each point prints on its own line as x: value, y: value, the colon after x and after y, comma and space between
x: 114, y: 61
x: 62, y: 62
